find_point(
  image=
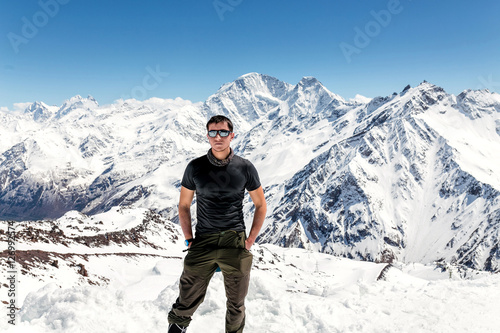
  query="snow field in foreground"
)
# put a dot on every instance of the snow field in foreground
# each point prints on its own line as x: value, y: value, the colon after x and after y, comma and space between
x: 291, y: 290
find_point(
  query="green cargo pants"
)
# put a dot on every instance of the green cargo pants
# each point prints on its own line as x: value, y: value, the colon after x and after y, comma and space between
x: 207, y: 252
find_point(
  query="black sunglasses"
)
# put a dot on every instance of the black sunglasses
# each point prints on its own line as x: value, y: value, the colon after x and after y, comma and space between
x: 222, y: 133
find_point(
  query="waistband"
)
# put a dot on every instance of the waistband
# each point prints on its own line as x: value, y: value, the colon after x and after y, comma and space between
x: 228, y: 239
x: 220, y: 233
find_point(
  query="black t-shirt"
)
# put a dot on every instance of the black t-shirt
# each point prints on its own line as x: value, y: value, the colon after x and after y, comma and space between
x: 220, y: 192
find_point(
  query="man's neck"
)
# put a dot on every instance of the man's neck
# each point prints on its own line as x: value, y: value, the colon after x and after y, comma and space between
x: 221, y: 155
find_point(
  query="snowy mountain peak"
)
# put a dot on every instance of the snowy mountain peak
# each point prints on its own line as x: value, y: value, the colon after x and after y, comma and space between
x: 309, y: 80
x: 74, y: 99
x: 477, y: 103
x: 484, y: 97
x: 262, y: 83
x: 251, y: 75
x: 77, y: 102
x: 428, y: 89
x: 39, y: 111
x: 36, y: 107
x: 311, y: 85
x: 360, y: 99
x: 251, y: 82
x: 424, y: 85
x: 421, y: 98
x: 248, y: 99
x: 92, y: 99
x: 405, y: 89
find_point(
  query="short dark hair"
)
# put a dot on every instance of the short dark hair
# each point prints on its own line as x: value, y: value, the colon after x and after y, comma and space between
x: 220, y: 119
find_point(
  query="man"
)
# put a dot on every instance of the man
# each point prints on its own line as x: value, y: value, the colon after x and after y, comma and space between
x: 219, y: 180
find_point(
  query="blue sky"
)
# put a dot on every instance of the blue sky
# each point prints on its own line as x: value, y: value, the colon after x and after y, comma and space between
x: 51, y: 50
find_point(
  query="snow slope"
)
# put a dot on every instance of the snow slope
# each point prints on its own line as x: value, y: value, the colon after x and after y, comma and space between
x: 119, y: 271
x: 291, y: 290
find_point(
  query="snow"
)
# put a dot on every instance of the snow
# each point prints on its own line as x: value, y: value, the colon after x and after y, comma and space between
x: 116, y: 219
x: 475, y: 141
x: 291, y: 290
x: 360, y: 99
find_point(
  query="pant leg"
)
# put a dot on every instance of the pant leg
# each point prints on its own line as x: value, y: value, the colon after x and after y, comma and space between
x: 199, y: 267
x: 235, y: 265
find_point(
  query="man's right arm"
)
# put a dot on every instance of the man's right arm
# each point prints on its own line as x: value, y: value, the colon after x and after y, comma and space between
x: 186, y: 198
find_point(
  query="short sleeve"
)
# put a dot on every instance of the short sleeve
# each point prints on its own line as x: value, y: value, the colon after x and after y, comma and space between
x: 188, y: 179
x: 253, y: 181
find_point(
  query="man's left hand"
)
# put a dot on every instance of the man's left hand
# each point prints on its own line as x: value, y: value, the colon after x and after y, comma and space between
x: 248, y: 244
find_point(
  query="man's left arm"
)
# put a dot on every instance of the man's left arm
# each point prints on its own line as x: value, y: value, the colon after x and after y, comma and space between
x: 259, y: 202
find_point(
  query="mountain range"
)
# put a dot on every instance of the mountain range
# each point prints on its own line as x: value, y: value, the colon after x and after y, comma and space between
x: 413, y: 176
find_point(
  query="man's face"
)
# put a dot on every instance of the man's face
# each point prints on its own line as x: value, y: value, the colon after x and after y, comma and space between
x: 219, y: 143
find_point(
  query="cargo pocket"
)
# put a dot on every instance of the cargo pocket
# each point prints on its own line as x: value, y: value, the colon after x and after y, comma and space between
x: 241, y: 241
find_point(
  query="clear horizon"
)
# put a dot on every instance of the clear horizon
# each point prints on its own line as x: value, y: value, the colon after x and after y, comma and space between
x: 53, y: 50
